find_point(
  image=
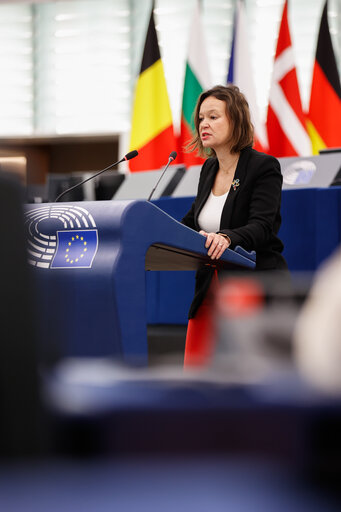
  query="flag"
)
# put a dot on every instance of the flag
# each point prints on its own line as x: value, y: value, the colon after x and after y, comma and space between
x: 197, y: 79
x: 239, y: 73
x: 75, y: 248
x: 152, y: 126
x: 324, y: 116
x: 286, y: 122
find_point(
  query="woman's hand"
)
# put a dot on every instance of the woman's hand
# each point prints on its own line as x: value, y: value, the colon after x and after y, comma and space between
x: 216, y: 244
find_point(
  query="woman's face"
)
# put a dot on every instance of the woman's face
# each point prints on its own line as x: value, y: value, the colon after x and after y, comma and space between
x: 214, y: 125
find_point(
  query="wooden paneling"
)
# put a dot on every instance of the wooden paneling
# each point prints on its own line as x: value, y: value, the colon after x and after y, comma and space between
x: 61, y: 155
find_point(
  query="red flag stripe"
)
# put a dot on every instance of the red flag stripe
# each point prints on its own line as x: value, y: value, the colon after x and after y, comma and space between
x: 324, y: 101
x: 286, y: 122
x: 155, y: 152
x: 280, y: 144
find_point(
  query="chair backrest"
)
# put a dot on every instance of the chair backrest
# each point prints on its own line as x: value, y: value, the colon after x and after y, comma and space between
x: 188, y: 186
x: 108, y: 184
x: 138, y: 185
x: 318, y: 171
x: 58, y: 183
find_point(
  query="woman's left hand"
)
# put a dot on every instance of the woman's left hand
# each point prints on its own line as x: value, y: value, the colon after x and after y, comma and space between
x: 216, y: 244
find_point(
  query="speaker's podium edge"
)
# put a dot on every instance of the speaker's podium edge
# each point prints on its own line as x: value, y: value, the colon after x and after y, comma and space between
x: 132, y: 236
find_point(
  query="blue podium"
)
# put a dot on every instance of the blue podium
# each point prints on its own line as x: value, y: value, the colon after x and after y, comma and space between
x: 89, y: 261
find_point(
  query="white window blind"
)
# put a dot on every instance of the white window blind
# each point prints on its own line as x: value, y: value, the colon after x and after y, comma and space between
x: 82, y: 66
x: 16, y: 64
x: 69, y: 67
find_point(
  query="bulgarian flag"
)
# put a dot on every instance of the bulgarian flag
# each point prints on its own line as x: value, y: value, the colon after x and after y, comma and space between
x: 197, y: 79
x: 324, y: 117
x: 152, y: 126
x: 240, y: 74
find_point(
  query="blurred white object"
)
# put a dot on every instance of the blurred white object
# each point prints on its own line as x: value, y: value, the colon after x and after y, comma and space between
x: 317, y: 334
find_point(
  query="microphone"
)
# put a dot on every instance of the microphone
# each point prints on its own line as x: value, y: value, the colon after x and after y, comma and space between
x: 128, y: 156
x: 171, y: 158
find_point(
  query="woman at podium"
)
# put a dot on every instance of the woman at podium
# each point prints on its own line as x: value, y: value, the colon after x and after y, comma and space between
x: 237, y: 203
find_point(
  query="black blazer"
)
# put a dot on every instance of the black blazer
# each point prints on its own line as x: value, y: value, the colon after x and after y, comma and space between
x: 251, y: 214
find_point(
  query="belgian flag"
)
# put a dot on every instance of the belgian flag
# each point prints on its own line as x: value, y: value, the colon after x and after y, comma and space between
x: 324, y: 123
x: 152, y: 126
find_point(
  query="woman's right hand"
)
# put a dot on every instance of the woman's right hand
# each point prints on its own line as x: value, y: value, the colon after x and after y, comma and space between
x: 216, y: 244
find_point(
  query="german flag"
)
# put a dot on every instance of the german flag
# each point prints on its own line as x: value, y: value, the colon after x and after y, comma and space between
x: 324, y: 123
x: 152, y: 126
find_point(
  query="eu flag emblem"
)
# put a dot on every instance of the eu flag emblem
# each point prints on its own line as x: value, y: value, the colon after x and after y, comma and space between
x: 75, y: 249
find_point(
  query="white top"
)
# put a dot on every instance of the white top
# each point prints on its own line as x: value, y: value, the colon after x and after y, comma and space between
x: 210, y: 215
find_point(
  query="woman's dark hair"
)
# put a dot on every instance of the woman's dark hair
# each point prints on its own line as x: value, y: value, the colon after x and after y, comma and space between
x: 238, y: 113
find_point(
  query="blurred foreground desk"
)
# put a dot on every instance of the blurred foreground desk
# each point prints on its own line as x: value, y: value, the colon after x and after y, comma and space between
x: 167, y: 408
x: 184, y: 441
x: 150, y: 441
x: 154, y: 484
x: 89, y: 260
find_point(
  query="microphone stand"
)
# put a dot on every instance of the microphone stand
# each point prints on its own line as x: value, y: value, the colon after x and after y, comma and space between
x: 171, y: 159
x: 128, y: 156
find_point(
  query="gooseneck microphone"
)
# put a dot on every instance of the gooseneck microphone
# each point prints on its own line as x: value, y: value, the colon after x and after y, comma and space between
x: 171, y: 158
x: 128, y: 156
